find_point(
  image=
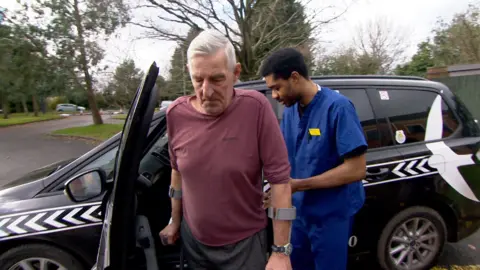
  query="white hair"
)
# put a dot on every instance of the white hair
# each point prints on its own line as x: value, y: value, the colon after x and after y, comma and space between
x: 208, y: 42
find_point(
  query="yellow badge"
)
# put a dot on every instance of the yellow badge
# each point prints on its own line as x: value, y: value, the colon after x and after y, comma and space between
x: 314, y: 131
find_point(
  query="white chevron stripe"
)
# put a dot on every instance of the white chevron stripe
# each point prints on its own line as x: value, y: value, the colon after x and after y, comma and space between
x: 51, y: 220
x: 409, y: 168
x: 88, y: 214
x: 396, y: 170
x: 2, y: 223
x: 32, y: 223
x: 14, y: 228
x: 422, y: 163
x: 71, y: 219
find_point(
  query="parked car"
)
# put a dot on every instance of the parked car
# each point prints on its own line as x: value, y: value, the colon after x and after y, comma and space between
x: 422, y: 166
x: 69, y: 108
x: 165, y: 103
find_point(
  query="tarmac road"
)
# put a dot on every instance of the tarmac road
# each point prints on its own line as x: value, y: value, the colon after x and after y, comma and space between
x: 27, y: 147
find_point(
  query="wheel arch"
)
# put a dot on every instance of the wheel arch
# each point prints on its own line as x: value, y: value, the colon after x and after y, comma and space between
x: 78, y: 254
x: 444, y: 209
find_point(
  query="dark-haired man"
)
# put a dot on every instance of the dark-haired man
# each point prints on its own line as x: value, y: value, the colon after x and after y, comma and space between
x: 326, y: 149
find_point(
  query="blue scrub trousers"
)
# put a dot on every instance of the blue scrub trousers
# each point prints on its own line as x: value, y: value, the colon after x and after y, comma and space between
x: 320, y: 245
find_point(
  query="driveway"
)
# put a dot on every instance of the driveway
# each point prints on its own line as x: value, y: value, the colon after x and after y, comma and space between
x: 27, y: 147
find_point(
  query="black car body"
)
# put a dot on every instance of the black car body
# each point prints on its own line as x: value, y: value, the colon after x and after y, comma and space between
x: 426, y: 174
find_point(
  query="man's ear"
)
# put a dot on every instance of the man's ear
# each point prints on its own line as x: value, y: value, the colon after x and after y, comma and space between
x: 237, y: 70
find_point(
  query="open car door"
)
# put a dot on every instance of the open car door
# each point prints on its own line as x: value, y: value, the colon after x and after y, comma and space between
x: 118, y: 239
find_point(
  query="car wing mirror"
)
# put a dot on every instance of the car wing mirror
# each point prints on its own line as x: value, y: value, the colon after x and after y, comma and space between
x: 86, y: 185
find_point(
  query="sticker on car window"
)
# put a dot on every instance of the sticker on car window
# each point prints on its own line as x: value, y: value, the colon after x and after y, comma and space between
x: 384, y: 95
x: 400, y: 136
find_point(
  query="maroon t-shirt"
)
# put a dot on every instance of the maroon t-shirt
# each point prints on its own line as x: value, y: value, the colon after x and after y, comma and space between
x: 220, y: 159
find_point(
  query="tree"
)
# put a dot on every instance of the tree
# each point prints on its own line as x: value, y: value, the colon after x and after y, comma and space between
x: 74, y: 29
x: 420, y: 62
x: 253, y: 27
x: 458, y: 41
x: 376, y: 48
x: 124, y: 84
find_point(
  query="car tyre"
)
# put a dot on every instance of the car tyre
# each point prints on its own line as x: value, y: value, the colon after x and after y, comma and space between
x: 36, y: 252
x: 394, y: 232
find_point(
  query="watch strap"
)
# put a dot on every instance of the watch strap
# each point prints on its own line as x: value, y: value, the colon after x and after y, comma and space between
x: 175, y: 194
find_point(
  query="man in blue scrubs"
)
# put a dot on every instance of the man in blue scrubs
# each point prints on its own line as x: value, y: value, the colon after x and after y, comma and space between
x: 326, y: 148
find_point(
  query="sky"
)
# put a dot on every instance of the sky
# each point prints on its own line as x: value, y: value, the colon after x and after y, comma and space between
x: 415, y: 17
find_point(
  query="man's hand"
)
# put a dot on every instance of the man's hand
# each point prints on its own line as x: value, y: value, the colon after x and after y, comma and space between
x: 170, y: 234
x: 267, y: 199
x: 279, y: 262
x: 294, y: 185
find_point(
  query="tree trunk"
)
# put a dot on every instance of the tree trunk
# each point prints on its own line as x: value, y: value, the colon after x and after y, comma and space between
x: 6, y: 108
x: 24, y: 104
x: 97, y: 118
x: 35, y: 105
x: 18, y: 107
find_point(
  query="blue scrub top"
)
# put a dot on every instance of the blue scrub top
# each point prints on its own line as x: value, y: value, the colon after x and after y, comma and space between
x: 317, y: 142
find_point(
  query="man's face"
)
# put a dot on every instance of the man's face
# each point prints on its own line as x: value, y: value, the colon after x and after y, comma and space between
x: 213, y: 81
x: 283, y: 90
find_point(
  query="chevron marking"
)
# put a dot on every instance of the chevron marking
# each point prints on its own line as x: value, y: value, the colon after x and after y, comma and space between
x: 14, y: 225
x: 71, y: 219
x: 33, y: 223
x: 409, y: 168
x: 51, y: 220
x: 422, y: 163
x: 397, y: 170
x: 2, y: 223
x: 88, y: 214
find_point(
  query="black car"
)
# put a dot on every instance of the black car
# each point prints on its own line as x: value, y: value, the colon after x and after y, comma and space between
x: 421, y: 185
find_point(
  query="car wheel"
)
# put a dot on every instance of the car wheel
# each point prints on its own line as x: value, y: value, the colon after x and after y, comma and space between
x: 413, y: 239
x: 38, y: 256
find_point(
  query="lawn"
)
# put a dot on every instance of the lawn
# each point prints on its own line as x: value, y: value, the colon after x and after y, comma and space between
x: 21, y: 118
x: 99, y: 132
x: 120, y: 116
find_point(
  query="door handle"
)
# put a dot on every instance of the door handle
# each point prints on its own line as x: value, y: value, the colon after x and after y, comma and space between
x: 381, y: 171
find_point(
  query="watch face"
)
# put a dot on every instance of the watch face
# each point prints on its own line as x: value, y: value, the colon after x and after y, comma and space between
x: 288, y: 249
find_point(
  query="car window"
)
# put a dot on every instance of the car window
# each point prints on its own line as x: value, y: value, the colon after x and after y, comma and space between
x: 105, y: 161
x: 364, y: 110
x: 408, y: 110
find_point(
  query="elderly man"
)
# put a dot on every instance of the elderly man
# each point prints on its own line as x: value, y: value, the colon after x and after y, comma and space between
x: 220, y: 141
x: 326, y: 148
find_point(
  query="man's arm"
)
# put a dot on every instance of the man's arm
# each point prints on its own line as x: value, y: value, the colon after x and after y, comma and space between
x: 276, y: 168
x: 351, y: 170
x: 281, y: 198
x: 176, y: 184
x: 351, y: 147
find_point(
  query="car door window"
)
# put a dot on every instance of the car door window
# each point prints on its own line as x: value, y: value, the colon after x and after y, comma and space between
x: 105, y: 161
x: 408, y: 110
x: 365, y: 113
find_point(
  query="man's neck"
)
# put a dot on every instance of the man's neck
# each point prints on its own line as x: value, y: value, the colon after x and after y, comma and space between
x: 308, y: 93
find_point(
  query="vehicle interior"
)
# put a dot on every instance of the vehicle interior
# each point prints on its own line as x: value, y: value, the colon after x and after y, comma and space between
x: 154, y: 206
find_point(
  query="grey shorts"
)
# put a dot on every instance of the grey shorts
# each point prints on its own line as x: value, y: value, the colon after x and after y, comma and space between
x: 247, y: 254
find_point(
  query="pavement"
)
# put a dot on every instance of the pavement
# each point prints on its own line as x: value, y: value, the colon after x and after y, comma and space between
x: 27, y: 147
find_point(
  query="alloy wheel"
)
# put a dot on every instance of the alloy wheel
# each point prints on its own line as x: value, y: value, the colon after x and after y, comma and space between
x: 414, y: 244
x: 37, y: 264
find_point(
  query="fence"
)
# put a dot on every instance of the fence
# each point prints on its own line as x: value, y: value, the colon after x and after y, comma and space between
x: 467, y: 88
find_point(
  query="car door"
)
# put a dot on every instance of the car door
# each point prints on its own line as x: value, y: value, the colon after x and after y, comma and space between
x: 117, y: 242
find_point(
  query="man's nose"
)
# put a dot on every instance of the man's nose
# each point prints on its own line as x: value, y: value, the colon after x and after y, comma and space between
x: 207, y: 90
x: 274, y: 94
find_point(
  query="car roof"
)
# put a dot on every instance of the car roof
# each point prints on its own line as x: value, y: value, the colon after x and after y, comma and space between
x: 361, y: 80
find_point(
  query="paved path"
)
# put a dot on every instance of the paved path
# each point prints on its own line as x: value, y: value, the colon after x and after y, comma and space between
x: 27, y: 147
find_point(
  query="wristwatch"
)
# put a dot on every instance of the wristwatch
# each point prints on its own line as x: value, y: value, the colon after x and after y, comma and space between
x: 286, y: 249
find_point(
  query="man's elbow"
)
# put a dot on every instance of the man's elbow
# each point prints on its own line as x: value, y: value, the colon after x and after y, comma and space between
x: 358, y: 168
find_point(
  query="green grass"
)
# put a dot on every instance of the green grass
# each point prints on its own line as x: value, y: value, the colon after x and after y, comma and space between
x: 120, y: 116
x: 22, y: 118
x: 99, y: 132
